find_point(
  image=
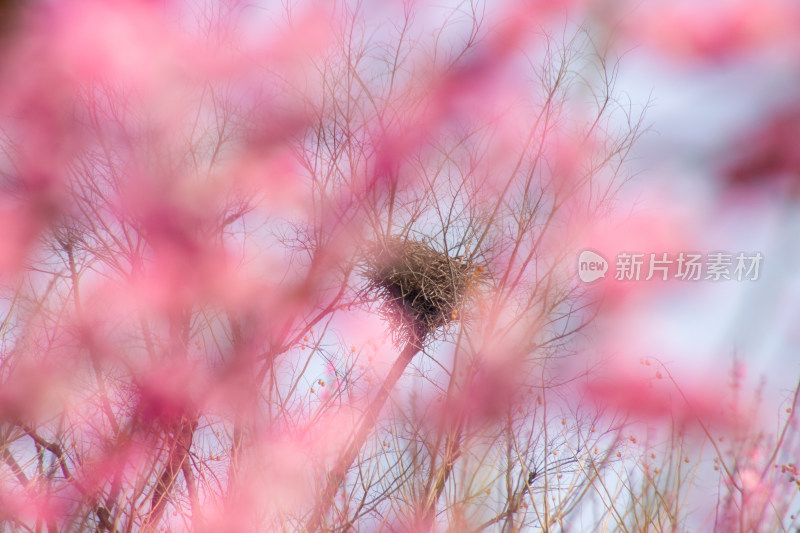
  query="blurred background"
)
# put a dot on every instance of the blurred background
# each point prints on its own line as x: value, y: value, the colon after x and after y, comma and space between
x: 719, y: 162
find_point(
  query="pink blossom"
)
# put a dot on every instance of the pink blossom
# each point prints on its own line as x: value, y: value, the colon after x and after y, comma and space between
x: 717, y: 29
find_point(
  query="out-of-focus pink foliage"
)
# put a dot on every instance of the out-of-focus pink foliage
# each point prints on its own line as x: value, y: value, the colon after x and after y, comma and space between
x: 765, y: 156
x: 170, y: 392
x: 716, y: 30
x: 647, y: 393
x: 184, y: 212
x: 34, y: 393
x: 34, y: 504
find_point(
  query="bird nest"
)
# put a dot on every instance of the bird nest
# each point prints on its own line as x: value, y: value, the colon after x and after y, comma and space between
x: 421, y: 288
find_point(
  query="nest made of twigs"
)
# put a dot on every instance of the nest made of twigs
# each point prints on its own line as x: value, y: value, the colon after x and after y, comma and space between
x: 422, y: 289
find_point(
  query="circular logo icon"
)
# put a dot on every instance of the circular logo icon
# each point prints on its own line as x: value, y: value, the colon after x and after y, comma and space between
x: 591, y: 266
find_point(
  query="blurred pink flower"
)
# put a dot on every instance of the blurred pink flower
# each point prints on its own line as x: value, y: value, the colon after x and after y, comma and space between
x: 648, y: 394
x: 716, y: 29
x: 172, y: 392
x: 765, y: 156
